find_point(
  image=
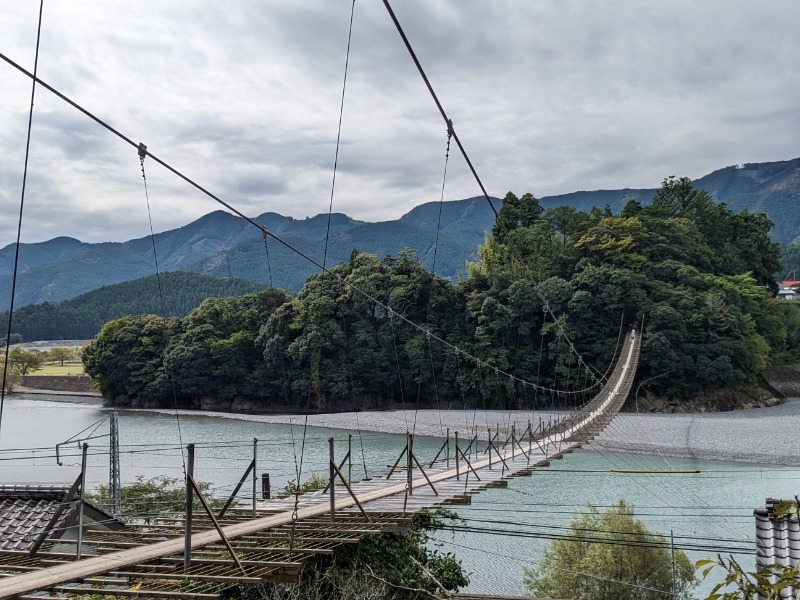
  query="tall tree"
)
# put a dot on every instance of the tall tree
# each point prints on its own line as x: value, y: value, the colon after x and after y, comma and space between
x: 610, y: 555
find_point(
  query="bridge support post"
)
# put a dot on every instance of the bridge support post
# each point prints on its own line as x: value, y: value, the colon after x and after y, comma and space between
x: 80, y: 500
x: 513, y: 439
x: 410, y: 463
x: 255, y: 476
x: 489, y: 446
x: 457, y: 473
x: 265, y: 486
x: 332, y: 471
x: 187, y: 535
x: 530, y: 436
x: 447, y: 452
x: 350, y: 458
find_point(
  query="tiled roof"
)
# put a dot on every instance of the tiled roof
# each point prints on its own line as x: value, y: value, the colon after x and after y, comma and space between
x: 25, y: 511
x: 777, y: 539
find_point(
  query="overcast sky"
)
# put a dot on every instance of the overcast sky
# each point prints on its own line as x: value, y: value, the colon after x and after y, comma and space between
x: 548, y: 97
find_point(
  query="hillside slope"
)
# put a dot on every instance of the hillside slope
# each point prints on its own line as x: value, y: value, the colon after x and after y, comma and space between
x: 221, y: 244
x: 81, y: 317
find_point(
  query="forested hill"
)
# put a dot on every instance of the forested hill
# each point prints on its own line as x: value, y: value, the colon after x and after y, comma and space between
x: 772, y: 188
x: 81, y: 317
x: 223, y: 245
x: 692, y: 273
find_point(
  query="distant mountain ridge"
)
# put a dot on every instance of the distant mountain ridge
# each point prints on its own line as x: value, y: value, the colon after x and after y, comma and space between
x: 223, y: 245
x: 168, y: 295
x: 772, y: 188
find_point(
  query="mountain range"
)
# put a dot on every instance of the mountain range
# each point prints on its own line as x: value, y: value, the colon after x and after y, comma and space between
x: 220, y: 244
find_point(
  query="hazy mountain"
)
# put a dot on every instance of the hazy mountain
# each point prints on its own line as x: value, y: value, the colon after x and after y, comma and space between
x: 81, y: 317
x: 773, y: 188
x: 221, y: 244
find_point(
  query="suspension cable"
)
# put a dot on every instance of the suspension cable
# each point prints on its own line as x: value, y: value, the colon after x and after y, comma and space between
x: 142, y: 155
x: 449, y: 123
x: 19, y: 221
x: 252, y: 222
x: 338, y: 136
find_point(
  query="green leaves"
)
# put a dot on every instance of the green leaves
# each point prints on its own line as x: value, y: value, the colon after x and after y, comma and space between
x: 769, y: 583
x: 610, y: 555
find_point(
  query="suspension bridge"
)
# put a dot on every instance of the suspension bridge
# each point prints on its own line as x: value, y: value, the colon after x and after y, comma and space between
x: 200, y: 556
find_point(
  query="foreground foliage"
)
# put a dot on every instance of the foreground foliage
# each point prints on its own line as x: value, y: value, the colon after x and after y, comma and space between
x: 696, y: 274
x: 772, y: 582
x: 391, y: 566
x: 610, y: 556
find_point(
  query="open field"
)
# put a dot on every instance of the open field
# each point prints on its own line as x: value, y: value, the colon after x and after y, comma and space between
x: 75, y: 368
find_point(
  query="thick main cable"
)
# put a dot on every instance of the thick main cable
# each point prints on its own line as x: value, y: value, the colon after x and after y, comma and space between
x: 449, y: 123
x: 338, y: 135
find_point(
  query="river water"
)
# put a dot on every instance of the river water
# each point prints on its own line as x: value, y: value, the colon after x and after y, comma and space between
x: 706, y: 511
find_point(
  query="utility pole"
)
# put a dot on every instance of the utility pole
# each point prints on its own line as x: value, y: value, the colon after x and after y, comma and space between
x: 113, y: 462
x: 672, y: 548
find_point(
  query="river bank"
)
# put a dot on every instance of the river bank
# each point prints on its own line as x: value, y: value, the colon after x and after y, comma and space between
x: 758, y: 435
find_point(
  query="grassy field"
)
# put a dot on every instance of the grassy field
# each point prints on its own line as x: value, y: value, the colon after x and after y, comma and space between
x: 57, y: 369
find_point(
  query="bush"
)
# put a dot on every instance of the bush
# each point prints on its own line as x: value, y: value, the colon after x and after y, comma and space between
x: 146, y: 497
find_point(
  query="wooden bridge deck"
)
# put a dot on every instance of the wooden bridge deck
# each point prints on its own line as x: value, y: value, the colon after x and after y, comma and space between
x: 153, y: 559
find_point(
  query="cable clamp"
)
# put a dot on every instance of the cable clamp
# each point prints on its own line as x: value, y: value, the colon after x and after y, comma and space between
x: 142, y: 151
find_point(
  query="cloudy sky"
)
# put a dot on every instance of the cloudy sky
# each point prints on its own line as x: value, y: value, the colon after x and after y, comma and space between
x: 548, y: 96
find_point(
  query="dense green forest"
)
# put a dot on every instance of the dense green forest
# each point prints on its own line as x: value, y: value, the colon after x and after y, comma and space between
x: 82, y: 317
x: 695, y: 275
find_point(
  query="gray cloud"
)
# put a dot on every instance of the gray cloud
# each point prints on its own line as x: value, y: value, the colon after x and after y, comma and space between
x: 548, y: 97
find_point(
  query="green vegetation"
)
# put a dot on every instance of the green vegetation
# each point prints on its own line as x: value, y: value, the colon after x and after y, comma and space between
x: 697, y: 274
x: 790, y: 261
x: 392, y: 566
x: 146, y: 497
x: 770, y: 583
x: 26, y: 362
x: 610, y: 555
x: 81, y: 318
x: 71, y: 368
x: 313, y: 483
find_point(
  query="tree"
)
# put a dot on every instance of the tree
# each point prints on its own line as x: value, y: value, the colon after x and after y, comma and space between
x: 26, y: 361
x: 610, y: 556
x: 61, y: 355
x: 145, y: 497
x: 517, y: 212
x: 389, y: 565
x: 12, y: 378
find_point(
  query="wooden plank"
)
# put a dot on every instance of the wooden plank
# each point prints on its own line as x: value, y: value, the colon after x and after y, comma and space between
x: 227, y: 579
x: 94, y: 591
